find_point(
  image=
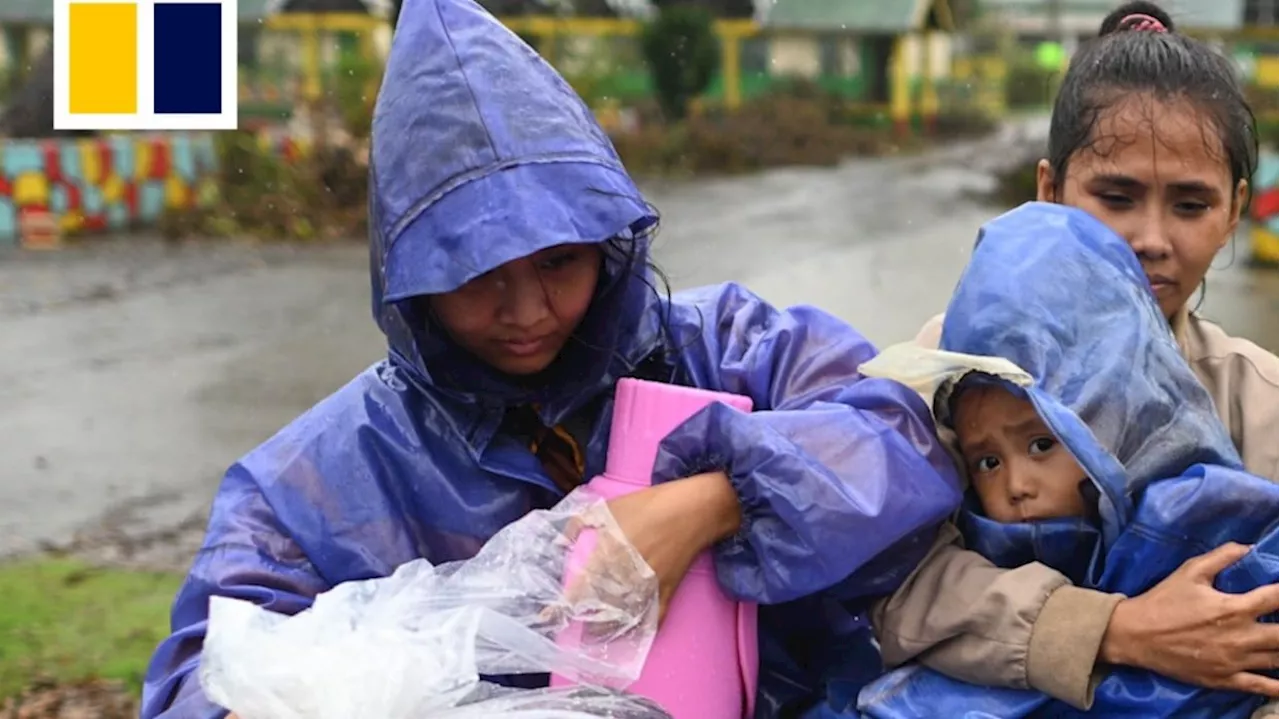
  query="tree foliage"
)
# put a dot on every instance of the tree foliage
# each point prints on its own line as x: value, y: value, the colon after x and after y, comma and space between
x: 683, y: 54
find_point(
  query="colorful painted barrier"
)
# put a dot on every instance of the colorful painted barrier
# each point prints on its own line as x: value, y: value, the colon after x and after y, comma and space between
x: 108, y: 183
x: 113, y: 183
x: 1265, y: 210
x: 286, y: 147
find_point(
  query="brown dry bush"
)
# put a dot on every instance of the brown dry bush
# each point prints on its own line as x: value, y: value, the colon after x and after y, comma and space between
x: 87, y: 700
x: 320, y: 195
x: 782, y: 129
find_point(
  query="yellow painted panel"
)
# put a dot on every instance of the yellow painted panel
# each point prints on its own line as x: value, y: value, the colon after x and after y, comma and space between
x: 31, y: 188
x: 103, y: 50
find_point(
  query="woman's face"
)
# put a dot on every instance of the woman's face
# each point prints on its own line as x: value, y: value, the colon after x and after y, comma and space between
x: 517, y: 317
x: 1155, y: 173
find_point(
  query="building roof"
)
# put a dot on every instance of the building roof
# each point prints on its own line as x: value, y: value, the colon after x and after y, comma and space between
x: 870, y: 16
x: 1200, y: 15
x: 1186, y: 14
x: 855, y: 16
x: 22, y: 12
x: 40, y: 12
x: 250, y: 10
x: 272, y: 7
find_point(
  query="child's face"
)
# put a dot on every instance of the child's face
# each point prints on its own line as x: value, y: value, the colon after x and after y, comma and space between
x: 1018, y: 468
x: 517, y: 317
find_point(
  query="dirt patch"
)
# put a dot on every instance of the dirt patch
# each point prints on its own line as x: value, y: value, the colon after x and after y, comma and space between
x: 119, y: 541
x: 86, y: 700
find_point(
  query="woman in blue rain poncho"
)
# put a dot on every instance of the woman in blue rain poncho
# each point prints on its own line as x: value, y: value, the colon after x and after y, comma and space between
x: 509, y: 271
x: 1144, y: 458
x: 1152, y: 134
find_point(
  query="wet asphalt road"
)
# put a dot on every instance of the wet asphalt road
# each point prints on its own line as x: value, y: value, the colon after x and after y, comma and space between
x: 133, y: 372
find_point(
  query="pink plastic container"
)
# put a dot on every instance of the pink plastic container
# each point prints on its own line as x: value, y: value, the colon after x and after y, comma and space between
x: 704, y: 662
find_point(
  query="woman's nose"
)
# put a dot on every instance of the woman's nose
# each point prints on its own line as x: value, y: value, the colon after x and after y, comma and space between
x: 1150, y: 238
x: 525, y: 302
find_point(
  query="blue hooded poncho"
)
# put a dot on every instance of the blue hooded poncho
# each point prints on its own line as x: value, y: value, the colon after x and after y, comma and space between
x: 483, y: 154
x: 1055, y: 292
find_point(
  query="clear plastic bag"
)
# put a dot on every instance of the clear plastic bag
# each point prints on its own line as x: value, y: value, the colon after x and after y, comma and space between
x: 414, y: 645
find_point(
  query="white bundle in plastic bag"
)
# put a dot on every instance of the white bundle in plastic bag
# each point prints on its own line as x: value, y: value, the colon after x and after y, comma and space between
x: 932, y: 371
x: 414, y: 645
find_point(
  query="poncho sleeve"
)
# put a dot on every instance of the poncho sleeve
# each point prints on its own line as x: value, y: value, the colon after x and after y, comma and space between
x: 832, y: 468
x: 246, y: 555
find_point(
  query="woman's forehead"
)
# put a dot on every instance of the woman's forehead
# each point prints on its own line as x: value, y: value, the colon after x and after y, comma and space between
x: 1156, y: 142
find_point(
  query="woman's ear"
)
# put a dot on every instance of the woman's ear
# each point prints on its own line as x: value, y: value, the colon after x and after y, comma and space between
x: 1045, y: 186
x: 1237, y: 208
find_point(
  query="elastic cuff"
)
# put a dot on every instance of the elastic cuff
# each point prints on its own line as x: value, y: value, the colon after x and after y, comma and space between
x: 716, y: 463
x: 1065, y: 640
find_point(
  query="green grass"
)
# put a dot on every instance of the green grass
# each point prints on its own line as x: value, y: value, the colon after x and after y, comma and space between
x: 65, y: 621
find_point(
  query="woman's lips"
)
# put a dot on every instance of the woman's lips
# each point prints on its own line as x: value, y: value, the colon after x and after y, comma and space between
x: 524, y: 347
x: 1160, y: 283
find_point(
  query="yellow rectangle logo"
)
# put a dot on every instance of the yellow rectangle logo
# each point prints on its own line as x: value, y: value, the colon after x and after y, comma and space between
x: 103, y: 53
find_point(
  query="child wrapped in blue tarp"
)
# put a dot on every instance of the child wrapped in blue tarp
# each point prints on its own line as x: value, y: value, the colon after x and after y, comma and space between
x: 1089, y: 445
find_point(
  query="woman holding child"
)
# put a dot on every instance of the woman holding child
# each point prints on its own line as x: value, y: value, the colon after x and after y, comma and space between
x: 1150, y: 134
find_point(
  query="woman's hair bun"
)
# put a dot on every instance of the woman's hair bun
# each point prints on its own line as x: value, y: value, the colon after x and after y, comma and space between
x: 1137, y: 16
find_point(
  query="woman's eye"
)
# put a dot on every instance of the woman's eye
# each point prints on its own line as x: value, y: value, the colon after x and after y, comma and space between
x: 1191, y: 208
x: 1115, y: 200
x: 556, y: 262
x: 1040, y: 445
